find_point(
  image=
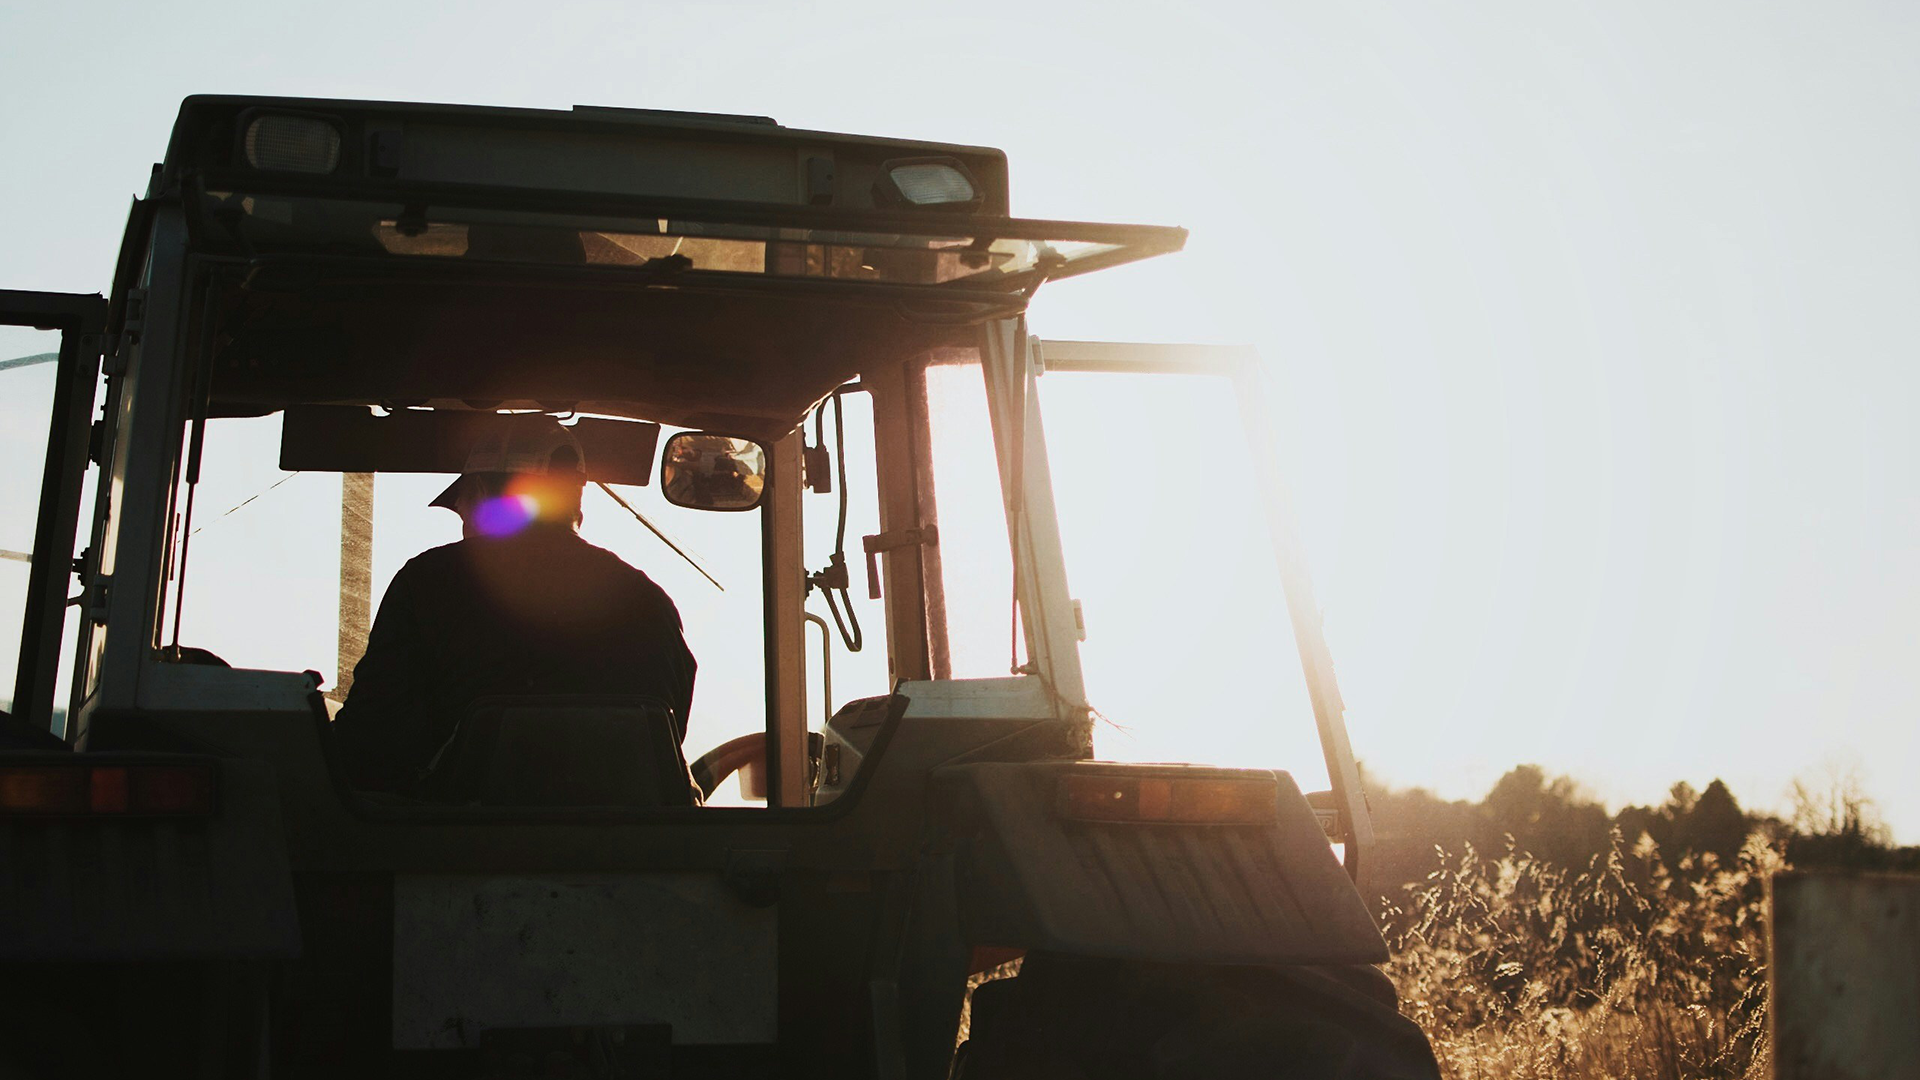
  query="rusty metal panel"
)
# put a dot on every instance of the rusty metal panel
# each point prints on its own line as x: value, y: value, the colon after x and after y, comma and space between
x: 472, y: 953
x: 1846, y: 976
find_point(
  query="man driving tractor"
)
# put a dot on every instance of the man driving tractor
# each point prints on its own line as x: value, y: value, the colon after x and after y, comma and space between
x: 521, y: 605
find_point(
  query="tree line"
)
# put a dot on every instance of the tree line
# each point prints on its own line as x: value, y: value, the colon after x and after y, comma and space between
x: 1832, y: 823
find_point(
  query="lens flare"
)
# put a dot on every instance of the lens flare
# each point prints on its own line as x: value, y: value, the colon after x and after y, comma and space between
x: 505, y: 515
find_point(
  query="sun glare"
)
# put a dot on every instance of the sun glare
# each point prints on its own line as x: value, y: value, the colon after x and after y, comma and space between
x: 506, y: 515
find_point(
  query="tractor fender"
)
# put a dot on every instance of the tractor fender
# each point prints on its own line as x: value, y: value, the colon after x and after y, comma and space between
x: 1263, y: 889
x: 130, y: 888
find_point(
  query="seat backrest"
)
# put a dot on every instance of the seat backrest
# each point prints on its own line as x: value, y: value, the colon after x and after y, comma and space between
x: 563, y: 751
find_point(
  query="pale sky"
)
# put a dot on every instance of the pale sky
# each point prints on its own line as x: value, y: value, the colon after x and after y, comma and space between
x: 1588, y: 329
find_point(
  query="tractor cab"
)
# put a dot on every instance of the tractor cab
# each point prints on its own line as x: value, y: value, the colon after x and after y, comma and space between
x: 797, y: 369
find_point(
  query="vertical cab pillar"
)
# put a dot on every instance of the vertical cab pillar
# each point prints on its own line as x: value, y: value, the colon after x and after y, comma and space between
x: 901, y: 562
x: 786, y: 593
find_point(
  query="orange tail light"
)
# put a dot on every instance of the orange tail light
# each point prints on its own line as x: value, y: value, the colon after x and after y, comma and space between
x: 81, y: 789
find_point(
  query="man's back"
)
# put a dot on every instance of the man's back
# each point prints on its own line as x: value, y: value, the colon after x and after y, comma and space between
x: 539, y: 613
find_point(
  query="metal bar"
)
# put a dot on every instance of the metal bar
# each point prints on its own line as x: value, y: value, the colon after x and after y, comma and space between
x: 932, y: 577
x: 1152, y: 239
x: 826, y: 666
x: 946, y: 303
x: 784, y: 583
x: 1126, y: 358
x: 51, y: 569
x: 901, y: 567
x: 85, y: 312
x: 996, y: 354
x: 29, y: 361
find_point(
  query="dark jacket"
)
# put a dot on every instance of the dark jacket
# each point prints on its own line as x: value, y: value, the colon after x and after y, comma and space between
x: 540, y: 613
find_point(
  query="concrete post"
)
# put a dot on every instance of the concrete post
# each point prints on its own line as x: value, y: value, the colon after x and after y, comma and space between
x: 1845, y: 976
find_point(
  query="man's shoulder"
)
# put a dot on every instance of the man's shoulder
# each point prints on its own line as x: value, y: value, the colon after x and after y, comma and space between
x: 614, y: 564
x: 630, y: 576
x: 436, y: 559
x: 443, y: 553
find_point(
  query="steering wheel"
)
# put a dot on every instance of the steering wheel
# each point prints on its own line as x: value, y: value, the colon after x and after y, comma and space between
x: 748, y: 753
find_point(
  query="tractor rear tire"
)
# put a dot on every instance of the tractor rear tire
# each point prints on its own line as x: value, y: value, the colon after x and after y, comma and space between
x: 1066, y: 1018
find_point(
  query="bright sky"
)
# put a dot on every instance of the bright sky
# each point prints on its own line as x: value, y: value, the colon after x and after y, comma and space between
x: 1588, y: 329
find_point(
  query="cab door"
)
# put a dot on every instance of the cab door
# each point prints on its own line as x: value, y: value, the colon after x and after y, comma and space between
x: 50, y: 347
x: 1174, y: 441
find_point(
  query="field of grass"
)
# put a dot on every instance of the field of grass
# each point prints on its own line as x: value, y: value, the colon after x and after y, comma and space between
x: 1630, y: 969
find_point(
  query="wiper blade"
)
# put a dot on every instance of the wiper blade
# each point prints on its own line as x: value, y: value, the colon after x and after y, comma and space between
x: 664, y: 538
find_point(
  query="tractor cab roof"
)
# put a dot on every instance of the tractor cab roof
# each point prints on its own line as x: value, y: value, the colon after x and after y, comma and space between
x: 705, y: 271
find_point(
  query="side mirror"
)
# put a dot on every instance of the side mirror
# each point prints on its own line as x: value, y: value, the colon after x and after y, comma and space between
x: 713, y: 472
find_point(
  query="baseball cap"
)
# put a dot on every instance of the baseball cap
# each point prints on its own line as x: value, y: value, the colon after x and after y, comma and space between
x: 523, y: 444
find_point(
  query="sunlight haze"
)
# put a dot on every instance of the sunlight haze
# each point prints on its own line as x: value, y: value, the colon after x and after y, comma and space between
x: 1588, y: 335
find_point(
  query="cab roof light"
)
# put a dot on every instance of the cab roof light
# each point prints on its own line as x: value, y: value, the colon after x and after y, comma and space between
x: 927, y: 183
x: 289, y: 142
x: 1168, y: 800
x: 79, y: 789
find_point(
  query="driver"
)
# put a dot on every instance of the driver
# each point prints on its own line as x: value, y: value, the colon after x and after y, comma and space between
x: 520, y: 606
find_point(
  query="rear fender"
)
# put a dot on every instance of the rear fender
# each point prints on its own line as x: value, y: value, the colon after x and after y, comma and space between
x: 106, y: 887
x: 1266, y: 891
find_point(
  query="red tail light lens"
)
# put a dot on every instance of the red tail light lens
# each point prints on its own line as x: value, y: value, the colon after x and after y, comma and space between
x: 1168, y: 800
x: 81, y: 789
x: 109, y: 792
x: 171, y: 789
x: 43, y: 789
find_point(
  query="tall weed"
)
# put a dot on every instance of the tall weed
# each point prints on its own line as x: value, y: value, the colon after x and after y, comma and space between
x: 1630, y: 969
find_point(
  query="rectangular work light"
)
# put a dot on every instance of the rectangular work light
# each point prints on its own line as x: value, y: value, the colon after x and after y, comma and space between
x: 931, y: 183
x: 291, y: 142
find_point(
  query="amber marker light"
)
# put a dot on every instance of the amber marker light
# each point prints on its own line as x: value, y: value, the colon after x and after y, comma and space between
x: 82, y: 789
x: 1167, y: 800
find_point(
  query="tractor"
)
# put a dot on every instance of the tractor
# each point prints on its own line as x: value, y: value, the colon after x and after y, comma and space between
x: 904, y: 859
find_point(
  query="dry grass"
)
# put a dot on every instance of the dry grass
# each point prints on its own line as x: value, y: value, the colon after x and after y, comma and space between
x: 1629, y: 969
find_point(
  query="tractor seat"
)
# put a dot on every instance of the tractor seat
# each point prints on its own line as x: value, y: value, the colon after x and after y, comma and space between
x: 563, y: 751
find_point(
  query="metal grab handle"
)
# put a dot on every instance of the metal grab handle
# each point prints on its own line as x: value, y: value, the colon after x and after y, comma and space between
x: 893, y: 541
x: 826, y: 666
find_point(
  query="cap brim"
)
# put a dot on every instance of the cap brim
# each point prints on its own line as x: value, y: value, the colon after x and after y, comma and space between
x: 449, y: 498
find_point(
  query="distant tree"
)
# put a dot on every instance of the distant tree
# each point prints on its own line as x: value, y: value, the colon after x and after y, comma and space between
x: 1555, y: 822
x: 1835, y: 803
x: 1714, y: 822
x: 1680, y: 800
x: 1635, y: 822
x: 1555, y: 819
x: 1836, y: 824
